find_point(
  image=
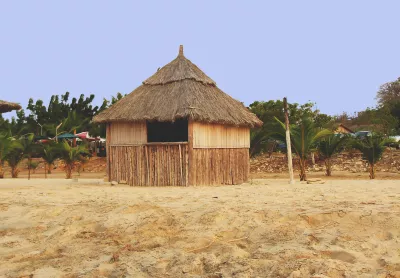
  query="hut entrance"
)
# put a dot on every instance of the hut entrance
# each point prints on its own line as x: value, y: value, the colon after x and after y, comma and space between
x: 167, y: 131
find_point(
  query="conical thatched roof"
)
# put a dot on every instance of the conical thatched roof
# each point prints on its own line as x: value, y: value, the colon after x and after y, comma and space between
x: 179, y: 90
x: 8, y: 106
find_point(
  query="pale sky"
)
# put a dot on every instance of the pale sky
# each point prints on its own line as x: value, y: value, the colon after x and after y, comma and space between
x: 335, y: 53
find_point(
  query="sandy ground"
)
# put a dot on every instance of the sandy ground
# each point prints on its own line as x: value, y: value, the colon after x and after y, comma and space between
x: 337, y: 175
x: 96, y: 169
x: 268, y: 228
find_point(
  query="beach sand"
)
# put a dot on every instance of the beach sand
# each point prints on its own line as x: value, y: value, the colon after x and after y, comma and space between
x: 267, y: 228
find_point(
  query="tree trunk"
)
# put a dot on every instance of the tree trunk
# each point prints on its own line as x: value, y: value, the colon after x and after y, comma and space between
x: 313, y: 159
x: 68, y: 171
x: 74, y: 140
x: 1, y: 170
x: 49, y: 168
x: 288, y: 142
x: 302, y: 159
x: 328, y: 167
x: 29, y: 168
x: 45, y: 170
x: 371, y: 171
x: 14, y: 172
x: 303, y: 175
x: 271, y: 150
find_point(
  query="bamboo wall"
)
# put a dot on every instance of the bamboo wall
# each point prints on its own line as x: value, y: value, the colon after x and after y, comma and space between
x: 220, y: 136
x: 215, y: 154
x: 150, y: 164
x: 128, y: 133
x: 219, y: 166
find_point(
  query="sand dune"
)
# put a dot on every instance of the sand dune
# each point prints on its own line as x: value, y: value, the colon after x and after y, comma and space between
x: 264, y: 229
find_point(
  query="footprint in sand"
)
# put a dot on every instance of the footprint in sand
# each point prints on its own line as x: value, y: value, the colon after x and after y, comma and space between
x: 341, y: 256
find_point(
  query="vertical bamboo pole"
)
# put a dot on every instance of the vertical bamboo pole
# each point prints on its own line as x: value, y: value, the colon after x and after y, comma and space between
x: 186, y: 165
x: 180, y: 165
x: 288, y: 144
x: 148, y: 183
x: 108, y: 150
x: 191, y: 160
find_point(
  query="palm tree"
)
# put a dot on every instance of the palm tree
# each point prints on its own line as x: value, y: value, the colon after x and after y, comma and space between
x: 303, y: 136
x: 5, y: 143
x: 14, y: 155
x: 29, y: 148
x: 329, y: 146
x: 74, y: 122
x: 71, y: 156
x: 372, y: 148
x: 49, y: 155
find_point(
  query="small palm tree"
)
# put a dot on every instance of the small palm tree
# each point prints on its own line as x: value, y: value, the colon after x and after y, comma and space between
x: 5, y: 144
x: 15, y: 154
x: 29, y: 148
x: 71, y: 156
x: 372, y: 148
x: 304, y: 137
x: 49, y: 155
x: 329, y: 146
x: 74, y: 122
x: 33, y: 165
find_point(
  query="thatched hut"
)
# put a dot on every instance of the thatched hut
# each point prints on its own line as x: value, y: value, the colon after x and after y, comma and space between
x: 178, y: 128
x: 6, y: 106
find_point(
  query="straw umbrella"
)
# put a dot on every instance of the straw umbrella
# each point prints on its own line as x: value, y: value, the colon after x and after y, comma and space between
x: 8, y: 106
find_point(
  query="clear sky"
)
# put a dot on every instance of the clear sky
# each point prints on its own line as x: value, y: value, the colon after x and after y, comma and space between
x: 335, y: 53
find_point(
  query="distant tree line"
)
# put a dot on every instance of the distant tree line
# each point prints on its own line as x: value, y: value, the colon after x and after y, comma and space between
x: 312, y: 131
x: 384, y: 119
x: 75, y: 115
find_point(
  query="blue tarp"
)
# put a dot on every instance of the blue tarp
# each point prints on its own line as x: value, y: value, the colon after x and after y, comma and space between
x: 66, y: 136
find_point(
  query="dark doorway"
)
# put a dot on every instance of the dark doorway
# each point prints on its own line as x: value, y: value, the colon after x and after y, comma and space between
x: 167, y: 131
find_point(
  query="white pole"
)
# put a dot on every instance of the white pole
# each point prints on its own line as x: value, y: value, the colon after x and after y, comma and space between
x: 288, y: 144
x: 41, y: 129
x: 57, y: 132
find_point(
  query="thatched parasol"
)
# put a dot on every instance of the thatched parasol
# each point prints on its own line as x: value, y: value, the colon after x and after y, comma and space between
x: 179, y: 90
x: 8, y: 106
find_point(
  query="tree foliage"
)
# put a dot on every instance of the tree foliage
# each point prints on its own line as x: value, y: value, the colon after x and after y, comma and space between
x: 304, y: 137
x: 73, y: 113
x: 388, y: 98
x: 14, y: 156
x: 49, y: 155
x: 29, y: 149
x: 328, y: 147
x: 389, y: 93
x: 71, y: 156
x: 372, y: 148
x: 5, y: 146
x: 268, y: 111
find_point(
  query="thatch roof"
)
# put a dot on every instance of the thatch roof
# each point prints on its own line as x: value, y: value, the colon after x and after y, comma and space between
x: 345, y: 128
x: 179, y: 90
x: 8, y: 106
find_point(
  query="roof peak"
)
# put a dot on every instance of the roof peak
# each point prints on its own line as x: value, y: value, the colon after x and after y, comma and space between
x: 179, y: 90
x: 179, y: 69
x: 180, y: 50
